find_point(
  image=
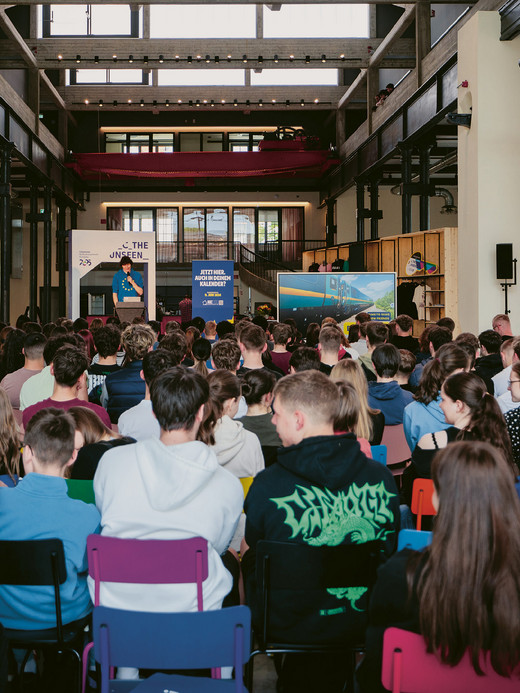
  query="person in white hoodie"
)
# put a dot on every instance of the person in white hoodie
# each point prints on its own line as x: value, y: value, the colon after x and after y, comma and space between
x: 170, y: 488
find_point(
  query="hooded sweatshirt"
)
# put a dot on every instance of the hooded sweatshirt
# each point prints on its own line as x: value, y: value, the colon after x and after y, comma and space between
x: 322, y: 492
x: 391, y: 399
x: 154, y: 491
x: 419, y: 418
x: 237, y: 450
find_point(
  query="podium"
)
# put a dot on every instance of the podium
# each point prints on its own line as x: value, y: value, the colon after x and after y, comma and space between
x: 128, y: 310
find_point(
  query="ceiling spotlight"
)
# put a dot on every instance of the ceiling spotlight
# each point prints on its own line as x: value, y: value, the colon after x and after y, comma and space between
x: 323, y: 58
x: 260, y: 103
x: 96, y: 58
x: 205, y: 101
x: 190, y: 103
x: 287, y: 102
x: 130, y: 58
x: 302, y: 102
x: 129, y: 101
x: 212, y: 103
x: 316, y: 100
x: 141, y: 103
x: 78, y: 58
x: 197, y: 103
x: 307, y: 59
x: 222, y: 100
x: 275, y: 58
x: 154, y: 103
x: 60, y: 57
x: 291, y: 57
x: 217, y: 59
x: 248, y: 102
x: 179, y: 100
x: 273, y: 100
x: 260, y: 59
x: 114, y: 102
x: 167, y: 102
x: 229, y: 57
x: 161, y: 59
x: 208, y: 59
x: 100, y: 103
x: 145, y: 59
x: 114, y: 58
x: 86, y: 102
x: 189, y: 59
x: 244, y: 58
x: 199, y: 57
x: 235, y: 102
x: 177, y: 58
x: 342, y: 56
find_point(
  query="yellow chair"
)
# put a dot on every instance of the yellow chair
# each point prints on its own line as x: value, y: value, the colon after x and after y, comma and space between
x: 246, y: 482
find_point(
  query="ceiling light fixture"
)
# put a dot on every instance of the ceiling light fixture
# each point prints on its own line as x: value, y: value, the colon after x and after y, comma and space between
x: 78, y: 58
x: 130, y: 58
x: 100, y: 104
x: 307, y: 59
x: 244, y: 58
x: 323, y: 58
x: 275, y: 58
x: 96, y: 58
x: 161, y: 59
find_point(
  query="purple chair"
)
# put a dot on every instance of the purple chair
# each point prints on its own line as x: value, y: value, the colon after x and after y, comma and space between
x: 408, y: 668
x: 172, y: 641
x: 145, y: 561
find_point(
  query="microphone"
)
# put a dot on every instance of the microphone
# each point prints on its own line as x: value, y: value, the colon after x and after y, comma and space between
x: 128, y: 274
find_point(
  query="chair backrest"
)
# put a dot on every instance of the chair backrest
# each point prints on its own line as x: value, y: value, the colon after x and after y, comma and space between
x: 422, y: 494
x: 81, y: 489
x: 147, y: 561
x: 196, y: 640
x: 408, y: 668
x: 413, y: 539
x: 379, y: 453
x: 35, y: 562
x: 8, y: 481
x: 323, y: 579
x: 396, y: 445
x: 246, y: 482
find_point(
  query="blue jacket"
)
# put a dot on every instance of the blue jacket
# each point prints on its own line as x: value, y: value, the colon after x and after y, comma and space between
x: 391, y: 399
x: 422, y: 418
x: 124, y: 389
x: 39, y: 508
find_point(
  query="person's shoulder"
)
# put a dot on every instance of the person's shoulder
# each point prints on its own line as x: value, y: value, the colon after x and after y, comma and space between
x: 428, y: 440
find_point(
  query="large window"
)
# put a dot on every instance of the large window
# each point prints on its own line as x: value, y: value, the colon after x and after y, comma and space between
x: 295, y: 77
x: 200, y: 77
x: 90, y: 20
x: 202, y: 21
x: 109, y: 76
x: 317, y: 21
x: 136, y: 143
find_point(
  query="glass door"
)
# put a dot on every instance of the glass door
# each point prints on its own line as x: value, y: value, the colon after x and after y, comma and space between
x: 269, y: 234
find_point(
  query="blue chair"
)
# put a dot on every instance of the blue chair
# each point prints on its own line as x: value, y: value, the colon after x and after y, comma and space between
x: 413, y: 539
x: 379, y: 453
x: 198, y: 640
x: 8, y: 481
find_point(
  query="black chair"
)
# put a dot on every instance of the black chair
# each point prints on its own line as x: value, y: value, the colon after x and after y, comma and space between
x: 304, y: 589
x: 41, y: 563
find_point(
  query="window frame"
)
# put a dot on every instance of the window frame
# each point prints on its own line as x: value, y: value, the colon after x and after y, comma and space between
x: 47, y: 17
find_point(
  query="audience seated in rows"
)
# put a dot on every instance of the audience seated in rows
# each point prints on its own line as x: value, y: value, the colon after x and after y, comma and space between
x: 33, y: 345
x: 386, y: 394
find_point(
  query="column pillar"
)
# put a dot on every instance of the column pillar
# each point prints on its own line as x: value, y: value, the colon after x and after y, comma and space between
x: 424, y: 197
x: 374, y: 209
x: 61, y: 235
x: 47, y: 254
x: 406, y: 197
x: 5, y: 229
x: 33, y: 253
x: 360, y: 211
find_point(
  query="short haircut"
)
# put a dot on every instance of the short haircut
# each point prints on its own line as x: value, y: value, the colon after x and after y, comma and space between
x: 155, y: 325
x: 386, y: 359
x: 55, y: 343
x: 136, y: 340
x: 68, y: 364
x: 107, y: 340
x: 439, y: 336
x: 282, y: 334
x: 330, y: 339
x: 508, y: 345
x: 261, y: 321
x: 31, y: 327
x: 226, y: 354
x: 171, y: 327
x: 156, y: 362
x: 312, y: 392
x: 125, y: 260
x: 408, y: 362
x: 177, y: 344
x: 177, y: 395
x: 446, y: 322
x: 224, y: 327
x: 362, y: 317
x: 405, y: 322
x: 50, y: 435
x: 80, y: 324
x: 501, y: 317
x: 305, y: 359
x: 491, y: 341
x: 253, y: 338
x: 467, y: 338
x: 377, y: 333
x: 33, y: 345
x: 210, y: 327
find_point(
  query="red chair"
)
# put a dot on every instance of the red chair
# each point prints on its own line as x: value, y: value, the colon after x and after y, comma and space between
x: 396, y: 445
x: 422, y: 494
x: 408, y: 668
x: 145, y: 561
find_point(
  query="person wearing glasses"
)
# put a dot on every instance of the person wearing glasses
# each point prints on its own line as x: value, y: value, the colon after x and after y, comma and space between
x: 513, y: 417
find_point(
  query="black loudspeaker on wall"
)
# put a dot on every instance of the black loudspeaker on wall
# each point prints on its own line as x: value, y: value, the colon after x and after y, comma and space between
x: 504, y: 261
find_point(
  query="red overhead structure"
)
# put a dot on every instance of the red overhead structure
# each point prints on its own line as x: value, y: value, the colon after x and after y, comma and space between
x: 279, y: 164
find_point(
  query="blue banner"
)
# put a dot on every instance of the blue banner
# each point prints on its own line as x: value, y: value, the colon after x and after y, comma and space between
x: 212, y: 289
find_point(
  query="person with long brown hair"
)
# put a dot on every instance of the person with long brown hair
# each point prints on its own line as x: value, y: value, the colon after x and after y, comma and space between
x: 10, y: 462
x: 462, y: 593
x: 371, y: 422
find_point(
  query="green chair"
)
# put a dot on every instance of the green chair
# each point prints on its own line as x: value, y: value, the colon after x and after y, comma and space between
x: 81, y: 489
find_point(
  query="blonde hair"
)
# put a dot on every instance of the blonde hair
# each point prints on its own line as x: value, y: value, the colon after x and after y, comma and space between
x: 349, y: 371
x: 9, y: 437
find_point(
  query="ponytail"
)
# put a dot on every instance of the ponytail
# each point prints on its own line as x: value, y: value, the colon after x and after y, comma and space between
x: 449, y: 358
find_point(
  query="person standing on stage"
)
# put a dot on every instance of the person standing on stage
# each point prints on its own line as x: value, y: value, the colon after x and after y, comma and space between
x: 127, y: 282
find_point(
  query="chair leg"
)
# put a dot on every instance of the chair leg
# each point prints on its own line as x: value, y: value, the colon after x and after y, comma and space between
x: 249, y: 674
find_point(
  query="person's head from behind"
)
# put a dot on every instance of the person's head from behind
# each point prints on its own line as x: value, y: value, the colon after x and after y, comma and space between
x: 403, y: 325
x: 406, y: 366
x: 282, y: 334
x: 225, y: 392
x: 192, y: 333
x: 96, y: 324
x: 12, y: 354
x: 54, y: 343
x: 362, y: 318
x: 502, y: 324
x: 386, y: 359
x: 33, y: 346
x: 9, y: 438
x: 171, y: 327
x: 69, y: 365
x: 155, y: 363
x: 450, y: 358
x: 80, y: 324
x: 490, y: 342
x: 313, y: 334
x: 137, y: 340
x: 305, y: 404
x: 201, y: 352
x: 507, y: 350
x: 476, y: 537
x: 257, y: 387
x: 49, y: 442
x: 107, y: 341
x: 31, y: 327
x: 348, y: 414
x: 226, y: 355
x: 376, y: 334
x: 90, y: 426
x: 330, y: 340
x: 253, y: 339
x: 446, y: 322
x: 304, y: 359
x: 210, y: 328
x: 178, y: 397
x: 224, y: 327
x: 439, y: 336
